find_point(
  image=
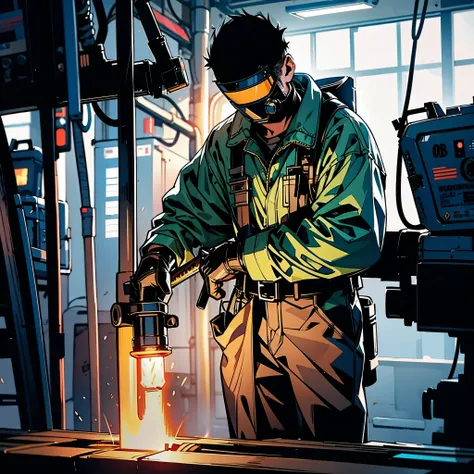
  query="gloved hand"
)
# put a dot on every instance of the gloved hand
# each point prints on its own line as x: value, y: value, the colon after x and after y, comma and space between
x: 152, y: 280
x: 221, y: 264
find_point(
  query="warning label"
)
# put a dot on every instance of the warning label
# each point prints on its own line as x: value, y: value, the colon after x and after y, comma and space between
x: 112, y: 152
x: 459, y: 199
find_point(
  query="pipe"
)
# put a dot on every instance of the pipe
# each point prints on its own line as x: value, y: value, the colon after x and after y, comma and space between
x: 162, y: 115
x: 127, y: 206
x: 88, y: 234
x: 55, y: 319
x: 200, y: 10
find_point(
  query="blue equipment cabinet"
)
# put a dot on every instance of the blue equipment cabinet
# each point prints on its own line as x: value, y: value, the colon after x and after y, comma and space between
x: 28, y: 164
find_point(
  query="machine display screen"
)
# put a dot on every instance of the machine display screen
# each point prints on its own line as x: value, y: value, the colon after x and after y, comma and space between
x: 21, y: 175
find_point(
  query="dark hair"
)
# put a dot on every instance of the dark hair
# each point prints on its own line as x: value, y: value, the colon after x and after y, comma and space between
x: 243, y: 45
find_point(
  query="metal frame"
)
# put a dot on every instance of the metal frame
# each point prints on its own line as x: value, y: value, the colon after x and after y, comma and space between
x: 22, y: 311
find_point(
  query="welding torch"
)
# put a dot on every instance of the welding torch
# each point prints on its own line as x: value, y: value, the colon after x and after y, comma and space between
x: 151, y: 321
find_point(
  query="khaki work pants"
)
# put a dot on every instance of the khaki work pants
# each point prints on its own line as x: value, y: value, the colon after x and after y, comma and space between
x: 289, y: 372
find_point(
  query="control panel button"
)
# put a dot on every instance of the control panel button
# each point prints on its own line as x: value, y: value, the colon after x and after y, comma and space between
x: 459, y: 150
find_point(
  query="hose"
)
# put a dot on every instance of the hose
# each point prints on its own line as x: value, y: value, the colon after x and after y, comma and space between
x: 102, y: 116
x: 415, y: 34
x: 85, y: 23
x: 85, y: 128
x: 103, y: 28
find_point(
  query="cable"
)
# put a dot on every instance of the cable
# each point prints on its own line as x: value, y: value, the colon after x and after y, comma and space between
x: 102, y: 116
x: 173, y: 142
x: 75, y: 299
x: 103, y: 27
x: 85, y: 23
x: 415, y: 34
x: 175, y: 105
x: 455, y: 360
x: 111, y: 13
x: 85, y: 128
x: 82, y: 173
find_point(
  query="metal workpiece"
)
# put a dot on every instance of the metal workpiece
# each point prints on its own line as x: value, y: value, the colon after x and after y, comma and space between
x: 78, y: 452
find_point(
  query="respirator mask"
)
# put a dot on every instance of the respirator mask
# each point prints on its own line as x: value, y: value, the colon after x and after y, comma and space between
x: 259, y: 97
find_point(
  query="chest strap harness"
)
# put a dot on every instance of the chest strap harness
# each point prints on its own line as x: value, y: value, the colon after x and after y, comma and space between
x: 298, y: 192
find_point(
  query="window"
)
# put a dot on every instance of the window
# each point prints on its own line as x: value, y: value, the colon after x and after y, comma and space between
x: 300, y: 48
x: 463, y: 84
x: 427, y: 87
x: 333, y: 50
x: 463, y: 25
x: 429, y: 45
x: 376, y: 46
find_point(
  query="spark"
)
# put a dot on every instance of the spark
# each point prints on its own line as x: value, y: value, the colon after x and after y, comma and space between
x: 180, y: 425
x: 172, y: 365
x: 78, y: 416
x: 184, y: 381
x: 108, y: 427
x: 83, y: 398
x: 174, y: 393
x: 1, y: 380
x: 105, y: 338
x: 111, y: 396
x: 108, y: 383
x: 177, y: 376
x: 169, y: 404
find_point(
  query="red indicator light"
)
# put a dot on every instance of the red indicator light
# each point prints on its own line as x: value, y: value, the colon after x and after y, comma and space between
x: 61, y: 137
x: 460, y: 144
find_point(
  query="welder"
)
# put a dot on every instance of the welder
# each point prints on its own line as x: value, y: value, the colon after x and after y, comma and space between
x: 288, y: 193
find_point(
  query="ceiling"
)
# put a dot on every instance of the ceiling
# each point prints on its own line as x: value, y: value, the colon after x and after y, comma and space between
x: 386, y: 9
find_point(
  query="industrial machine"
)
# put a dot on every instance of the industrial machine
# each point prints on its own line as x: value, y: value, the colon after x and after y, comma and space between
x: 439, y: 156
x: 28, y: 163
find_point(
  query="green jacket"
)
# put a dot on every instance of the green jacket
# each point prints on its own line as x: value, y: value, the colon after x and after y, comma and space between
x: 342, y: 234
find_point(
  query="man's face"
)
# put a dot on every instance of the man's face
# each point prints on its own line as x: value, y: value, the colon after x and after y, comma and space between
x: 257, y: 97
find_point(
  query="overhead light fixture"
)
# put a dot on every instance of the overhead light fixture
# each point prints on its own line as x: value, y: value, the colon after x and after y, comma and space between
x: 329, y: 7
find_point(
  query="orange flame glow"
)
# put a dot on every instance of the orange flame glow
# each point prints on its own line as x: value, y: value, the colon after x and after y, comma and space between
x: 150, y: 432
x: 152, y: 372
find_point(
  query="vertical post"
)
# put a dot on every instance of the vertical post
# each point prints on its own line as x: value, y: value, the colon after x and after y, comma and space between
x: 447, y: 58
x: 200, y: 117
x: 55, y: 323
x: 93, y: 327
x: 127, y: 207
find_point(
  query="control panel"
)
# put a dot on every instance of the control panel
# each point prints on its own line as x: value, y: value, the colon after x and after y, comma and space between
x: 13, y: 46
x: 439, y: 156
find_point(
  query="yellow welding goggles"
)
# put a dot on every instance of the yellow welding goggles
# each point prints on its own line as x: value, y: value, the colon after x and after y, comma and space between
x: 257, y: 97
